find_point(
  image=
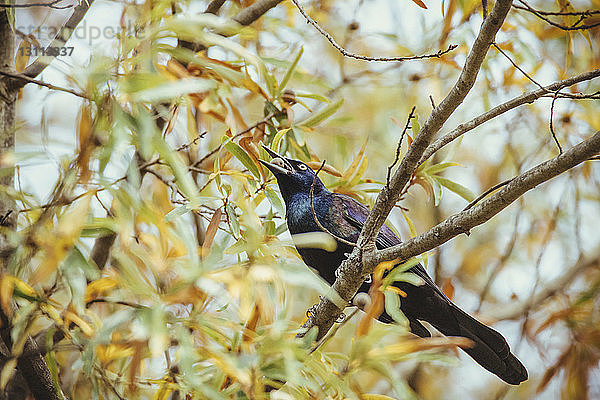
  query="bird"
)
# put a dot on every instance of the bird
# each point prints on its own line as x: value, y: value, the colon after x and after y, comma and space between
x: 343, y: 217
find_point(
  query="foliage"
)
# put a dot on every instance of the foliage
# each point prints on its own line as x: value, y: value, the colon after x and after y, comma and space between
x: 203, y: 292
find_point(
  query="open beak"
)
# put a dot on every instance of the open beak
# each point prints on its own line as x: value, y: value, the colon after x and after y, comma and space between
x: 279, y: 165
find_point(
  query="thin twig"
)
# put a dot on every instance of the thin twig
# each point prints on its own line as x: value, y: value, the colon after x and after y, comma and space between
x: 574, y: 27
x: 51, y: 4
x: 516, y: 66
x: 41, y: 83
x: 561, y: 13
x: 346, y: 53
x: 406, y: 127
x: 560, y: 150
x: 484, y: 194
x: 219, y: 147
x: 333, y: 331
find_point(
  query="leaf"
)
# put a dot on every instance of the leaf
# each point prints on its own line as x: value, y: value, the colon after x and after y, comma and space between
x: 392, y: 306
x: 420, y: 3
x: 84, y: 142
x: 315, y: 165
x: 437, y: 168
x: 355, y: 163
x: 277, y: 139
x: 211, y: 231
x: 317, y: 240
x: 322, y: 115
x: 170, y: 90
x: 7, y: 372
x: 290, y: 71
x: 411, y: 226
x: 22, y: 57
x: 457, y: 188
x: 242, y: 156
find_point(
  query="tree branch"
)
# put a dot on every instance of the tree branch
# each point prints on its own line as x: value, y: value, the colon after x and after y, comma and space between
x: 363, y: 259
x: 63, y: 35
x: 346, y: 53
x: 464, y: 221
x: 253, y: 12
x: 525, y: 98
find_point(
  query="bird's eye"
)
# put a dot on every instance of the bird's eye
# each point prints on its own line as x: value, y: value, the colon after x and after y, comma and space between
x: 302, y: 167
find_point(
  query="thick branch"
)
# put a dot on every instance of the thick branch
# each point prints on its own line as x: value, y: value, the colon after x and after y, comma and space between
x: 361, y: 261
x: 390, y: 193
x: 251, y: 13
x: 464, y: 221
x: 525, y: 98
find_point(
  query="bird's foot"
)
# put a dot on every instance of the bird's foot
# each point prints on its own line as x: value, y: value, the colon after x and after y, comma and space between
x: 340, y: 318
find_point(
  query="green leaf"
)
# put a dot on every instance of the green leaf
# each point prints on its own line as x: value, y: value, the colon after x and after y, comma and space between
x: 322, y: 115
x: 277, y: 139
x: 233, y: 220
x: 238, y: 152
x: 457, y: 188
x: 392, y: 307
x: 437, y: 168
x: 313, y: 96
x: 173, y: 89
x: 275, y: 201
x: 290, y: 71
x: 399, y: 272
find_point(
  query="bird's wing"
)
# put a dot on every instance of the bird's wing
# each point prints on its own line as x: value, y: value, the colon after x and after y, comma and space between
x: 355, y: 213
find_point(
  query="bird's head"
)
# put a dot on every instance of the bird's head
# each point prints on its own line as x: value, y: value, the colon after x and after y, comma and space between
x: 293, y: 176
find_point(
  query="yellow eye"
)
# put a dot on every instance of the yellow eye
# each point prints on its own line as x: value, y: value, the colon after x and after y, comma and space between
x: 302, y: 167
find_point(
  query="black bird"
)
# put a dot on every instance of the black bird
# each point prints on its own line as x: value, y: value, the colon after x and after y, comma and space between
x: 344, y: 217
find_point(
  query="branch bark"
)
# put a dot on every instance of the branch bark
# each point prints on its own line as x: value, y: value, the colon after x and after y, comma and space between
x: 362, y: 261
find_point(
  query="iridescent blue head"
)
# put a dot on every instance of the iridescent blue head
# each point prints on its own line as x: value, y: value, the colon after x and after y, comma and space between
x: 293, y: 177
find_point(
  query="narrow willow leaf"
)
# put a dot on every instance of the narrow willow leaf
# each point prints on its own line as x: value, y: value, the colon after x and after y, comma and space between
x: 277, y: 139
x: 392, y: 307
x: 290, y: 71
x: 211, y: 231
x: 238, y: 152
x: 437, y: 168
x: 317, y: 240
x: 322, y: 115
x: 173, y: 89
x: 355, y: 163
x: 457, y: 188
x: 313, y: 96
x: 275, y: 201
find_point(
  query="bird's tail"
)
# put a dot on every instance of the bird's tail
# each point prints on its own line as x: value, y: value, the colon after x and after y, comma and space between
x: 490, y: 349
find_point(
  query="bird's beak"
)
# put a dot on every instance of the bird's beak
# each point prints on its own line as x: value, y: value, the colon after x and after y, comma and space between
x: 274, y: 167
x: 278, y: 165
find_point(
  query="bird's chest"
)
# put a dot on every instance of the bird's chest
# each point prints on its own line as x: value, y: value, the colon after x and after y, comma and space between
x: 300, y: 216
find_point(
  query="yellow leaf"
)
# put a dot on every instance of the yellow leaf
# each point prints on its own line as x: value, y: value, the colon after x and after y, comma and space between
x: 76, y: 319
x: 211, y: 230
x: 355, y: 163
x: 7, y: 372
x: 6, y: 292
x: 22, y: 57
x: 315, y: 165
x: 84, y: 142
x: 99, y: 287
